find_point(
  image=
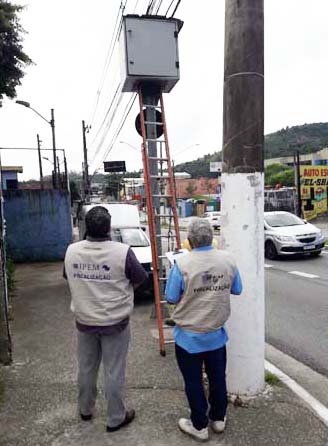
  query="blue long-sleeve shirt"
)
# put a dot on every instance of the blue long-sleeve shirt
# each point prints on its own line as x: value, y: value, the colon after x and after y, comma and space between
x: 191, y: 341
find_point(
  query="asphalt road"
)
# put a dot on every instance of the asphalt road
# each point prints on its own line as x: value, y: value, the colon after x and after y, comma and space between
x: 297, y: 309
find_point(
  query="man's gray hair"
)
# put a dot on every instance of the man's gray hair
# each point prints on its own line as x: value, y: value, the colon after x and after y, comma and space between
x: 200, y: 233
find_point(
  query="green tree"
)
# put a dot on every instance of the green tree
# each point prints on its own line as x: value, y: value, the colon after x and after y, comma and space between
x: 286, y: 178
x: 13, y: 60
x: 279, y: 173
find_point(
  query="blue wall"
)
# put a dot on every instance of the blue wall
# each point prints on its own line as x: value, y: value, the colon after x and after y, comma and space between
x: 38, y: 224
x: 7, y: 175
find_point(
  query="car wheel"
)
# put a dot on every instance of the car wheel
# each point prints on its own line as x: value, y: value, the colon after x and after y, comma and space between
x: 270, y: 251
x: 315, y: 254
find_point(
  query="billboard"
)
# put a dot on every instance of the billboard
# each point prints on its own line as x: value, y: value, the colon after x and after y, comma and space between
x: 314, y: 185
x: 114, y: 166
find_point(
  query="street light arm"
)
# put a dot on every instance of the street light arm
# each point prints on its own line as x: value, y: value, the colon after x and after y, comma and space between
x: 35, y: 111
x: 28, y: 105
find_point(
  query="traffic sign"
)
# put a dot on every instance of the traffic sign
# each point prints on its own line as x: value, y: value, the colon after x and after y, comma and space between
x: 159, y: 128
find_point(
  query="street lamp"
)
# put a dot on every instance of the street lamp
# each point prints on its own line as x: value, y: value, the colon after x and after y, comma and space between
x: 52, y: 125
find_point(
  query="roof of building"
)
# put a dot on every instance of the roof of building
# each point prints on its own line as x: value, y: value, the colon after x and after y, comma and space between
x: 18, y: 169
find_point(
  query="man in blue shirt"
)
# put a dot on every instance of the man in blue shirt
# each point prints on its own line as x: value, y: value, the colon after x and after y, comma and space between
x: 200, y: 284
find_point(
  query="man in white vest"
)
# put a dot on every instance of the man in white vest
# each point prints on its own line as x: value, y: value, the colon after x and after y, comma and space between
x: 200, y: 284
x: 102, y: 275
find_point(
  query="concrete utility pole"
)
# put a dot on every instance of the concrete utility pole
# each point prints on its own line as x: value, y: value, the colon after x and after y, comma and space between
x: 40, y: 162
x: 86, y: 182
x: 242, y: 189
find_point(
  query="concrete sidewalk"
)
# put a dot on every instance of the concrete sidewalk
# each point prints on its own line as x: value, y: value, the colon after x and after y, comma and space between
x: 39, y: 406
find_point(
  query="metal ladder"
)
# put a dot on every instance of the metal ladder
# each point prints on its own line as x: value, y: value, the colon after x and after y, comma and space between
x: 162, y: 159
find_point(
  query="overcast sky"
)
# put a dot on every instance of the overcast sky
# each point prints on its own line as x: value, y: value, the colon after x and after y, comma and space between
x: 69, y: 39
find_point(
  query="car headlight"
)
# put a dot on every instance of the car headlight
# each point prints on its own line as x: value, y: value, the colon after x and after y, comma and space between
x: 285, y: 238
x: 321, y: 236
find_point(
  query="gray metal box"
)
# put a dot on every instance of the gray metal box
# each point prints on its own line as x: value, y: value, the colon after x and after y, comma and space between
x: 149, y: 52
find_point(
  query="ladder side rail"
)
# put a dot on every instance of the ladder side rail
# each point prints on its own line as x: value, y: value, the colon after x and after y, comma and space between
x: 170, y: 177
x: 152, y: 230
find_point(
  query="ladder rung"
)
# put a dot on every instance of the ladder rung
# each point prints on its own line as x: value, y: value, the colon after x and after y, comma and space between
x: 169, y: 342
x: 162, y: 196
x: 165, y: 327
x: 165, y: 235
x: 151, y: 106
x: 157, y: 158
x: 156, y: 140
x: 153, y: 122
x: 163, y: 215
x: 163, y: 257
x: 163, y: 302
x: 162, y: 279
x: 157, y: 176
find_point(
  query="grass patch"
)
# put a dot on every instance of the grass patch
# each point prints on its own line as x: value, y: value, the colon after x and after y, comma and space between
x: 10, y: 267
x: 271, y: 379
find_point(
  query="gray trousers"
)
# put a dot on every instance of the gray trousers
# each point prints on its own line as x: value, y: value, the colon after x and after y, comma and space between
x: 112, y: 350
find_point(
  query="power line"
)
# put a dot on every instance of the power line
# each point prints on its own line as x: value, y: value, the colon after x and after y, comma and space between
x: 169, y: 8
x: 109, y: 123
x: 176, y: 7
x: 150, y: 7
x: 135, y: 6
x: 113, y: 140
x: 116, y: 30
x: 158, y: 7
x: 107, y: 113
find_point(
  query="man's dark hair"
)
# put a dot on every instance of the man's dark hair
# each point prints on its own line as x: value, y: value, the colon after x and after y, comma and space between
x: 97, y: 222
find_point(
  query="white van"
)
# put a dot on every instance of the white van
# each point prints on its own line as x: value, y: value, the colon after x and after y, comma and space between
x: 125, y: 228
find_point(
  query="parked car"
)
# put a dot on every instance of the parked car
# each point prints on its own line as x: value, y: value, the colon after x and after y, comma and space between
x: 286, y: 234
x: 214, y: 217
x: 125, y: 228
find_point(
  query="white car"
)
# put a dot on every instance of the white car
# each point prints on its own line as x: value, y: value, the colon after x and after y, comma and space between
x: 214, y: 217
x: 286, y: 234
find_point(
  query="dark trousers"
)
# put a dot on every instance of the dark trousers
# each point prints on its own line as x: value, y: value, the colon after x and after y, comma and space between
x: 191, y: 365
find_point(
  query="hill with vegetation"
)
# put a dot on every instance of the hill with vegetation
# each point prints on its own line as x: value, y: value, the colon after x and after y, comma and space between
x: 306, y: 138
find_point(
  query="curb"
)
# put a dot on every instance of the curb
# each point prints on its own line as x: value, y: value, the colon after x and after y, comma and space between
x: 318, y: 408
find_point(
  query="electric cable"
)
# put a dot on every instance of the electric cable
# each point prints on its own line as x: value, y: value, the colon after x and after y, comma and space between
x: 169, y: 8
x: 116, y: 30
x: 108, y: 125
x: 135, y: 6
x: 176, y: 7
x: 158, y: 7
x: 118, y: 130
x: 107, y: 113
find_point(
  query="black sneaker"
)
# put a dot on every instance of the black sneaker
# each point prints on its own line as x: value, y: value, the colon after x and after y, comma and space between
x: 86, y: 417
x: 129, y: 416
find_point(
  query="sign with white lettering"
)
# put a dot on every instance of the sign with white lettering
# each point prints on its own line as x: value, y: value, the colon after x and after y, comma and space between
x: 314, y: 184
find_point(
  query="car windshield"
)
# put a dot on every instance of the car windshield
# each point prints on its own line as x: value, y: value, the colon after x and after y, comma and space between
x: 133, y: 237
x: 279, y: 220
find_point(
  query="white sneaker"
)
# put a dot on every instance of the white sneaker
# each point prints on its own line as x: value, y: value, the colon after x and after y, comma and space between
x: 218, y: 426
x: 187, y: 427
